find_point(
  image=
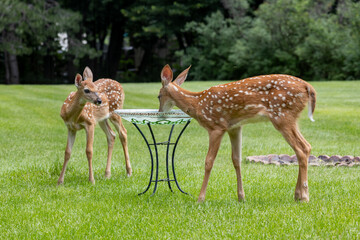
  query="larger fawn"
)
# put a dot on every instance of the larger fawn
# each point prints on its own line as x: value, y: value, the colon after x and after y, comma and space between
x: 227, y: 107
x: 94, y: 102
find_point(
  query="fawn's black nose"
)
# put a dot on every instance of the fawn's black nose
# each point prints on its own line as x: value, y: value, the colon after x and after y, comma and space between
x: 98, y: 101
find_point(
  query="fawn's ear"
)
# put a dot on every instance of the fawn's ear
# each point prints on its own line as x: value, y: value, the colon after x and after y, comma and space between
x: 166, y: 75
x: 182, y: 76
x: 78, y: 80
x: 88, y: 74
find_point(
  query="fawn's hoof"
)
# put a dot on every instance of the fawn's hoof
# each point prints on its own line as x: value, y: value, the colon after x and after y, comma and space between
x: 301, y: 197
x: 201, y: 199
x: 302, y: 192
x: 241, y: 197
x: 107, y: 175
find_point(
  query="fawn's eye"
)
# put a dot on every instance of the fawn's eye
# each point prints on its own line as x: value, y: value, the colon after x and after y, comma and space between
x: 86, y: 91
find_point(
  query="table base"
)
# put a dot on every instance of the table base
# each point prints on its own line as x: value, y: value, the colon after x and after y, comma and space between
x: 155, y: 144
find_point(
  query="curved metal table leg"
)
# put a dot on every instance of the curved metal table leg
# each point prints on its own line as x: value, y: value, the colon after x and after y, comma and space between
x: 151, y: 156
x: 167, y: 156
x: 157, y: 159
x: 173, y: 157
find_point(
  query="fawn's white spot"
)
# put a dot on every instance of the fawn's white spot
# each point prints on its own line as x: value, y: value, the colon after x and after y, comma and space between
x: 209, y: 119
x: 253, y: 106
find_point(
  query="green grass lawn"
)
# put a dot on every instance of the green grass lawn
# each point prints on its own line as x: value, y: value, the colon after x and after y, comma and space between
x: 32, y: 206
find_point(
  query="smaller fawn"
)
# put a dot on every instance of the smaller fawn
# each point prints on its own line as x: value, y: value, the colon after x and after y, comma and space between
x: 94, y: 102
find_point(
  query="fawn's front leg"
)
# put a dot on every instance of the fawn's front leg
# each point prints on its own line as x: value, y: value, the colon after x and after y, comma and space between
x: 89, y: 150
x: 215, y: 137
x: 69, y: 145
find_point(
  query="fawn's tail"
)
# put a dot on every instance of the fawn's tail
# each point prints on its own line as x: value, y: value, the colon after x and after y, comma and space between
x: 312, y: 101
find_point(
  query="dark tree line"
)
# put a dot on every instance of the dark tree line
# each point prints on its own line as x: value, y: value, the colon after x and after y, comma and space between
x: 222, y: 39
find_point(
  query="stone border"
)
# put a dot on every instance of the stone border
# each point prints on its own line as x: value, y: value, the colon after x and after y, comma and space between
x: 322, y: 160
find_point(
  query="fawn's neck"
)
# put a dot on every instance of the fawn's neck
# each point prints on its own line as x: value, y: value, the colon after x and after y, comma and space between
x: 72, y: 107
x: 186, y: 100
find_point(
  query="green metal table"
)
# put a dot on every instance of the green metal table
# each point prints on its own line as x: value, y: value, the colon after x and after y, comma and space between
x: 151, y: 117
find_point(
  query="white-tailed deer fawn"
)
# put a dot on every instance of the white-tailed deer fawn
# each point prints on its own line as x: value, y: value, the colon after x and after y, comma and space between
x: 226, y: 107
x: 94, y: 102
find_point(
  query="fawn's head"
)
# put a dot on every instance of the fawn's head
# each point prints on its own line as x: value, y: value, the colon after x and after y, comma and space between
x: 87, y: 88
x: 166, y: 100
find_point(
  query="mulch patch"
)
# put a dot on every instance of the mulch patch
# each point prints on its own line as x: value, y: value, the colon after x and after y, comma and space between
x: 322, y: 160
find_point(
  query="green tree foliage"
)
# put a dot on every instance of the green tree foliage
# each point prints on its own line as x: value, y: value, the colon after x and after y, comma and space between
x: 322, y: 53
x: 210, y: 51
x: 226, y: 39
x: 349, y: 18
x: 102, y: 28
x: 310, y: 39
x: 156, y: 31
x: 23, y: 24
x: 32, y: 27
x: 269, y: 44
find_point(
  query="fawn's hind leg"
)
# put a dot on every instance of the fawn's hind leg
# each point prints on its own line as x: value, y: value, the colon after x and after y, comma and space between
x: 116, y: 120
x: 235, y: 138
x: 302, y: 150
x: 110, y: 136
x: 69, y: 146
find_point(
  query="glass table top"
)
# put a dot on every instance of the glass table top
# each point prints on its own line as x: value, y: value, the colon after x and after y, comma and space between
x: 153, y: 116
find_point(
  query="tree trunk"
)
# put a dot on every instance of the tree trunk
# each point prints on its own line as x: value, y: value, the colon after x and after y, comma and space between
x: 92, y: 63
x: 138, y: 57
x: 7, y: 68
x: 71, y: 70
x: 11, y: 69
x: 181, y: 43
x: 115, y: 49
